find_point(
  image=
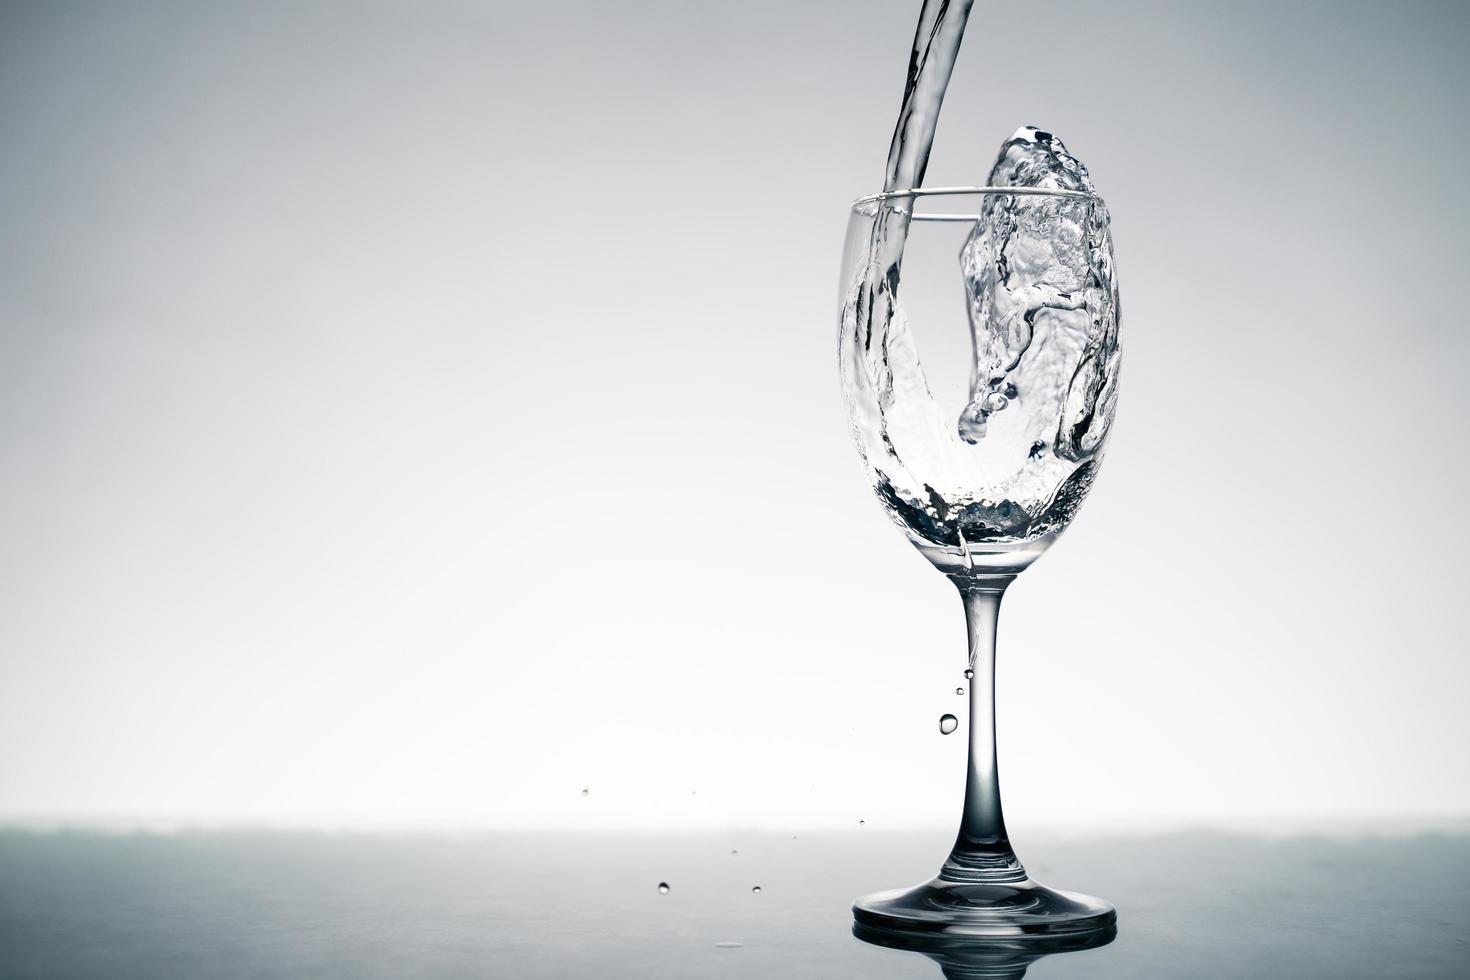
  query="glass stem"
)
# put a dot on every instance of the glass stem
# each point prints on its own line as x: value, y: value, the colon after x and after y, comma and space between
x: 982, y: 852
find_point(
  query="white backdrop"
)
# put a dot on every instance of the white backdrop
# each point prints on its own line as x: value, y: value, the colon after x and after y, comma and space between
x: 415, y: 415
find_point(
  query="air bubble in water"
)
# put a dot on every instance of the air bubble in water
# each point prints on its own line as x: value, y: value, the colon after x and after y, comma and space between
x: 947, y: 724
x: 585, y: 791
x: 862, y: 823
x: 969, y: 674
x: 663, y: 888
x: 756, y: 890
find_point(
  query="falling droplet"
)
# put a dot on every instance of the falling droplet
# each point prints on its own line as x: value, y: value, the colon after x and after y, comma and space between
x: 663, y: 888
x: 585, y: 791
x: 969, y: 674
x: 756, y: 890
x: 959, y: 690
x: 947, y: 724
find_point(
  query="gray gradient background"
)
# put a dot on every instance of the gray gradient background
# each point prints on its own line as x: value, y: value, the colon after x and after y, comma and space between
x: 412, y: 414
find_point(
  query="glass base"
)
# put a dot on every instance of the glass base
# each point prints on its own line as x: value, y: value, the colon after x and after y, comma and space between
x: 990, y: 910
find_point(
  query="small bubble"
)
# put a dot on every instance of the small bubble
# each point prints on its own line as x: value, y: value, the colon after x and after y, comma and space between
x: 585, y: 791
x: 1037, y: 448
x: 734, y: 852
x: 969, y: 674
x: 663, y: 888
x: 960, y: 691
x: 995, y: 401
x: 862, y: 823
x: 756, y: 890
x: 1010, y: 391
x: 947, y: 724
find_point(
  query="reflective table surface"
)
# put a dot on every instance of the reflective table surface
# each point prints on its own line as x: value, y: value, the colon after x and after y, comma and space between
x: 1190, y: 904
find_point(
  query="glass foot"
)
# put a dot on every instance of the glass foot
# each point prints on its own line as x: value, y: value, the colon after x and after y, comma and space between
x: 991, y: 910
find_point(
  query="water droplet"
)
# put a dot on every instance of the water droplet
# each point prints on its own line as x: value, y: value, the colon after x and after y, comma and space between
x: 734, y: 852
x: 729, y: 945
x: 756, y: 890
x: 960, y: 691
x: 862, y: 823
x: 969, y: 674
x: 585, y: 791
x: 1010, y: 391
x: 663, y: 888
x: 995, y: 401
x: 947, y: 724
x: 1037, y: 448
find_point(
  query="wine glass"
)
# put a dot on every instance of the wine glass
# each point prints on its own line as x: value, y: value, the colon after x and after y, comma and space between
x: 985, y: 484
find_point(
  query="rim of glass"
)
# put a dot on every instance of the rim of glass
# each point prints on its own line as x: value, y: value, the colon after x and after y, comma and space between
x: 868, y: 206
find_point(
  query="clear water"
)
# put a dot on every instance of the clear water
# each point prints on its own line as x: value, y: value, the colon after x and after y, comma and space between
x: 873, y: 303
x: 1040, y: 295
x: 948, y: 723
x: 1035, y: 269
x: 936, y: 45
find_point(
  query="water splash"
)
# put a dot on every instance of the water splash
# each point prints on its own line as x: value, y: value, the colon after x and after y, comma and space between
x: 1042, y: 305
x: 1038, y: 271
